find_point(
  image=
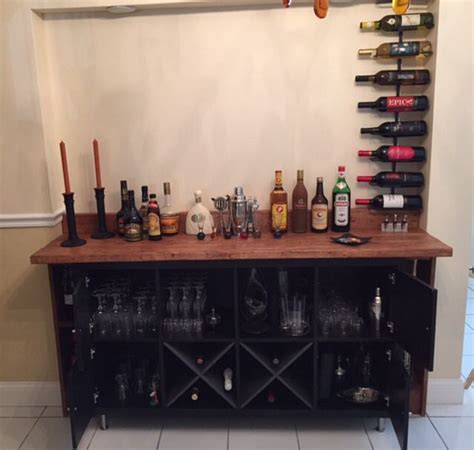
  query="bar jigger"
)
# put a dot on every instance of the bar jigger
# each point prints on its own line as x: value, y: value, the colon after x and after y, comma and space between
x: 102, y: 232
x: 222, y: 206
x: 73, y: 239
x: 239, y: 212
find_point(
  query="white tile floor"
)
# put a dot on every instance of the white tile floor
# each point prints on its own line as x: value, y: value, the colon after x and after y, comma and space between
x: 445, y: 427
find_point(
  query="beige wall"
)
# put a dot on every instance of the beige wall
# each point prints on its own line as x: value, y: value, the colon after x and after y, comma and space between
x: 206, y: 100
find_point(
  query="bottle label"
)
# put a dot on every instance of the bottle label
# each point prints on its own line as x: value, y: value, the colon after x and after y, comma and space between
x: 405, y: 49
x: 411, y: 20
x: 341, y: 210
x: 319, y: 217
x: 121, y: 228
x: 405, y: 76
x: 300, y: 204
x: 169, y: 224
x: 393, y: 201
x: 400, y: 104
x: 133, y: 232
x: 393, y: 176
x: 154, y: 228
x: 279, y: 216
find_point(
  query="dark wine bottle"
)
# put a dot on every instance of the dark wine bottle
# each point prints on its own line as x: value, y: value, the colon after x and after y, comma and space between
x: 395, y: 153
x: 123, y: 209
x: 400, y: 23
x: 390, y: 77
x: 394, y: 201
x: 133, y: 223
x: 398, y: 104
x: 398, y: 129
x: 394, y: 179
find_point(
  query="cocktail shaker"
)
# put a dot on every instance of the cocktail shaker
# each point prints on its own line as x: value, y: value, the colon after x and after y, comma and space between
x: 238, y: 204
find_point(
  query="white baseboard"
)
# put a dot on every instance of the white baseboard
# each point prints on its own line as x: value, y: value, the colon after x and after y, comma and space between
x: 31, y: 220
x: 30, y: 394
x: 445, y: 390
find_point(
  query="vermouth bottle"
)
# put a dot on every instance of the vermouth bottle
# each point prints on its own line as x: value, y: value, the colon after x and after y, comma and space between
x: 394, y: 179
x: 124, y: 208
x: 398, y: 129
x: 399, y: 49
x: 133, y: 223
x: 400, y: 23
x: 394, y: 201
x: 398, y: 104
x: 391, y: 77
x: 395, y: 153
x: 341, y: 203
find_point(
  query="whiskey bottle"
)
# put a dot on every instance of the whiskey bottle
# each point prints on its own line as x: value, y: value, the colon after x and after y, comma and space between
x: 403, y: 77
x: 169, y: 218
x: 144, y: 210
x: 153, y: 212
x: 133, y: 223
x: 319, y: 210
x: 123, y: 209
x: 394, y: 201
x: 398, y: 104
x: 399, y: 49
x: 279, y: 204
x: 398, y: 129
x: 395, y: 153
x: 400, y: 23
x: 395, y: 179
x: 299, y: 217
x: 341, y: 203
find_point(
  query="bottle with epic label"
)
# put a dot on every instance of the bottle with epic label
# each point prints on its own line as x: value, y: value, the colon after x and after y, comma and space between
x: 391, y: 77
x: 398, y: 104
x: 394, y: 179
x: 394, y: 201
x: 341, y: 203
x: 398, y: 129
x: 395, y: 153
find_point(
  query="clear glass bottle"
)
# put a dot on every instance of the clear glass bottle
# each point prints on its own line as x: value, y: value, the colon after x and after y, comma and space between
x: 169, y: 218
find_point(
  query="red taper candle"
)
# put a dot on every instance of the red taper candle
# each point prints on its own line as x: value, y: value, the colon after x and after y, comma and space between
x: 98, y: 179
x: 67, y: 185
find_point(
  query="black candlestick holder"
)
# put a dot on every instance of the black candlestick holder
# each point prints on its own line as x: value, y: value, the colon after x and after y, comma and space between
x: 73, y: 239
x: 101, y: 232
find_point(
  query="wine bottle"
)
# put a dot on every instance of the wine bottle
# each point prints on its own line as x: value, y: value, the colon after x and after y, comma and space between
x: 390, y: 77
x: 133, y: 223
x: 341, y: 203
x: 154, y: 228
x: 123, y: 209
x: 399, y: 49
x: 396, y: 153
x: 319, y: 210
x: 398, y: 129
x: 394, y: 201
x: 395, y: 179
x: 228, y: 379
x: 299, y: 219
x: 195, y: 394
x: 398, y: 104
x: 400, y: 23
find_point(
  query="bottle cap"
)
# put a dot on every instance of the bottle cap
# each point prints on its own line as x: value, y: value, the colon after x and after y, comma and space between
x: 198, y: 196
x: 367, y: 52
x: 167, y: 188
x: 152, y: 196
x: 319, y: 179
x: 300, y: 175
x: 341, y: 169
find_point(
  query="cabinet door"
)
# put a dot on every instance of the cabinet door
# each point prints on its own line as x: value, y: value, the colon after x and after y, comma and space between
x: 398, y: 388
x: 413, y: 314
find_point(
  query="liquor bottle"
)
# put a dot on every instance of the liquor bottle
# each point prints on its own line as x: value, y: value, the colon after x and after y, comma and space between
x: 319, y: 209
x: 228, y: 379
x: 169, y: 218
x: 398, y: 129
x: 400, y: 23
x: 279, y: 204
x: 199, y: 360
x: 395, y: 179
x: 195, y: 394
x: 299, y: 217
x: 123, y: 209
x: 341, y: 203
x: 144, y: 210
x: 153, y: 212
x: 399, y: 49
x: 398, y: 104
x: 133, y: 223
x: 395, y: 153
x: 271, y: 397
x: 394, y: 201
x: 199, y: 211
x: 404, y: 77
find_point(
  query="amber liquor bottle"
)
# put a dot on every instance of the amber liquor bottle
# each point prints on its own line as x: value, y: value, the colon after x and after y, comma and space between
x: 123, y: 209
x: 133, y: 223
x: 279, y: 204
x: 299, y: 215
x: 319, y: 210
x: 341, y: 203
x: 154, y: 227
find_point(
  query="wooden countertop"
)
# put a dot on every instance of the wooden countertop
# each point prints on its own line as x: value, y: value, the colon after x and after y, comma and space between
x: 416, y: 244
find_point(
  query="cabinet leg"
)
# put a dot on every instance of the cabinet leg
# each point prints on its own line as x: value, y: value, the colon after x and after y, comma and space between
x: 103, y: 422
x: 381, y: 424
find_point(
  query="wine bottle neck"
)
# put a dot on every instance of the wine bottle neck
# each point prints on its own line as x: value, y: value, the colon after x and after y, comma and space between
x: 366, y: 153
x: 365, y: 78
x: 363, y: 201
x: 369, y: 130
x: 367, y: 104
x: 365, y: 179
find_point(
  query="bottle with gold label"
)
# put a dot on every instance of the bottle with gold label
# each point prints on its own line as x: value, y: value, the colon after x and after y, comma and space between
x: 154, y: 229
x: 169, y: 219
x: 299, y: 213
x: 279, y: 204
x: 133, y: 223
x: 319, y: 210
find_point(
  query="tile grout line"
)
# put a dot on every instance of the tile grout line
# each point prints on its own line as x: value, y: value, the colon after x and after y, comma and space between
x: 297, y: 437
x: 159, y: 437
x: 32, y: 428
x: 437, y: 432
x: 367, y: 434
